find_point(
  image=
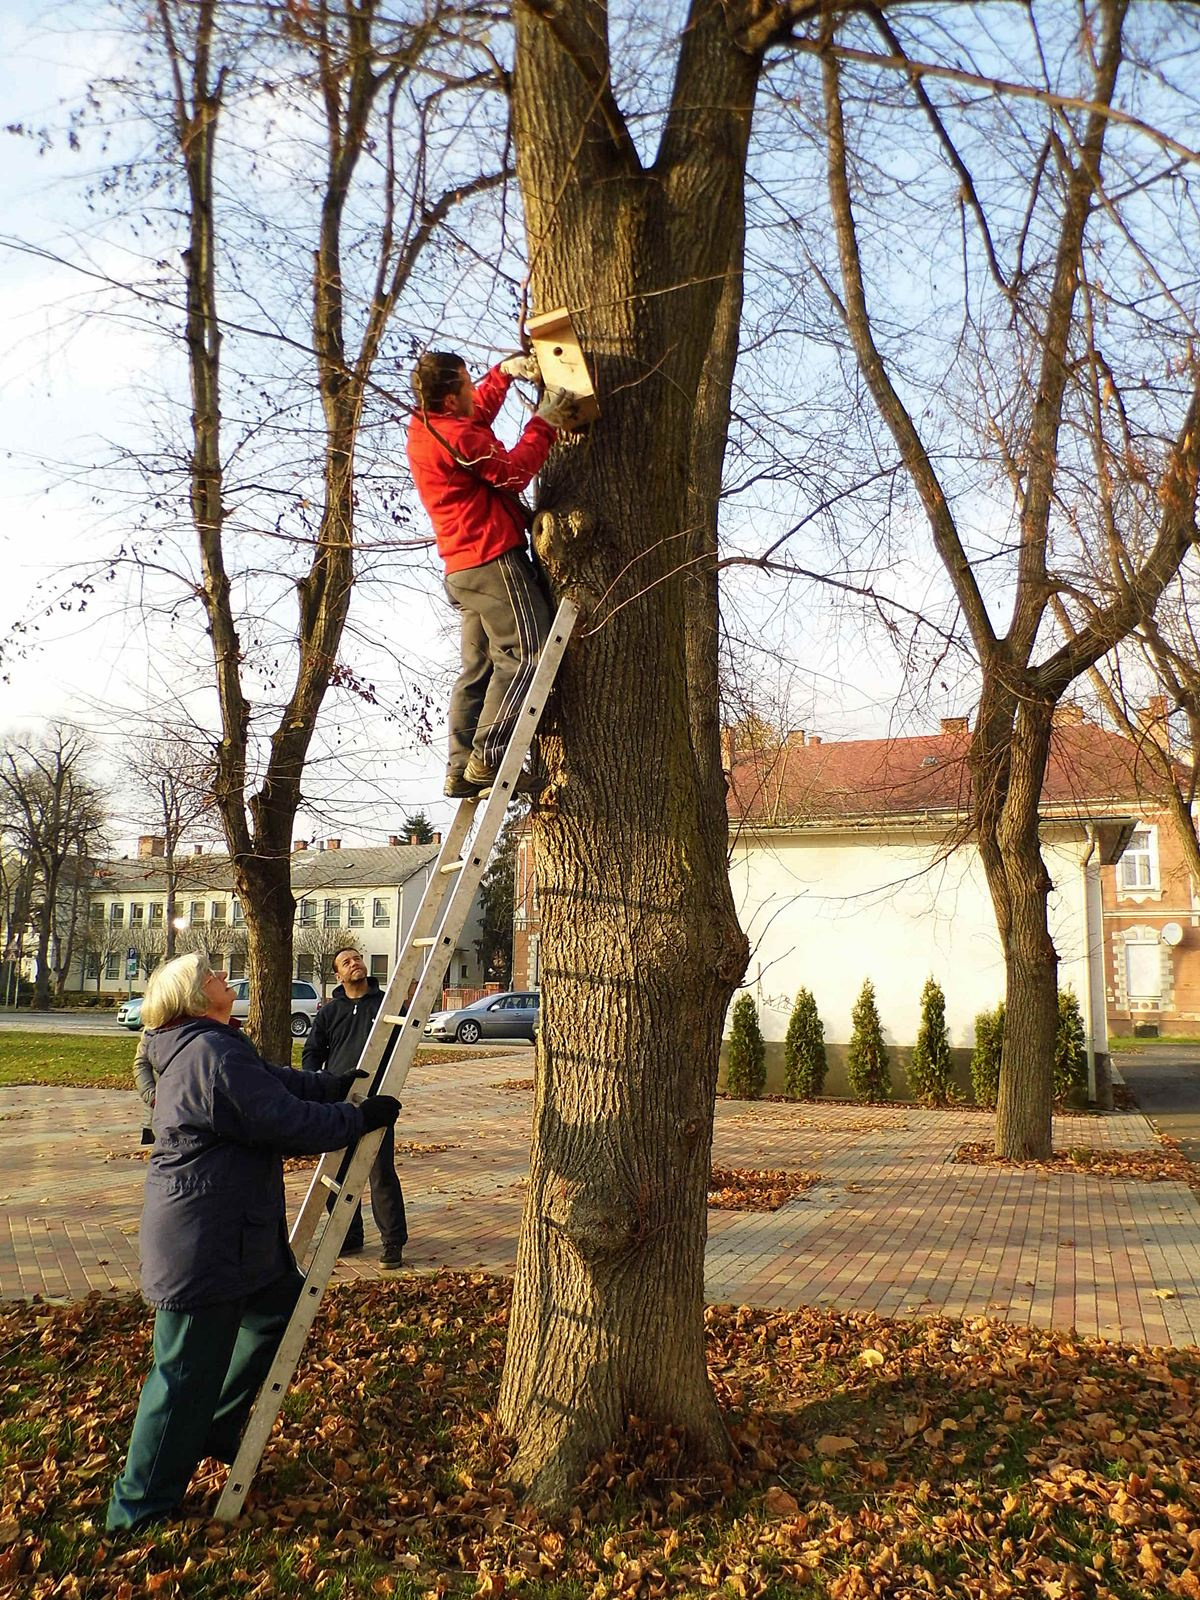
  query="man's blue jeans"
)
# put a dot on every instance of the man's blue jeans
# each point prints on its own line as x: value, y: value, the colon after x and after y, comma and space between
x: 208, y: 1366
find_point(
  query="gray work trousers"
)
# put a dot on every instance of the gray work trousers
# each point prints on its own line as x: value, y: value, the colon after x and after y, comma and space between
x: 505, y: 621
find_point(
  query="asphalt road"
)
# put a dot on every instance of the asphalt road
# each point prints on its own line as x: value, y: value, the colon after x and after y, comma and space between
x: 63, y: 1022
x: 1165, y: 1081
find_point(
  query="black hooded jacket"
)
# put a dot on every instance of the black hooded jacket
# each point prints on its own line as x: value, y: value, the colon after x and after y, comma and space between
x: 340, y: 1030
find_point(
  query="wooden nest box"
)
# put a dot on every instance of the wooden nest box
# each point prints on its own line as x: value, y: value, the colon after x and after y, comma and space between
x: 562, y: 361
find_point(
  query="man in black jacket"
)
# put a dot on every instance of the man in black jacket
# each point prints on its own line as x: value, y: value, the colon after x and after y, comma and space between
x: 335, y: 1042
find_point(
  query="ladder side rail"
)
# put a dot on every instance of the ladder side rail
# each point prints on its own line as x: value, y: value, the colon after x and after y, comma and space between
x: 489, y: 821
x: 396, y: 1063
x: 291, y: 1345
x: 327, y: 1180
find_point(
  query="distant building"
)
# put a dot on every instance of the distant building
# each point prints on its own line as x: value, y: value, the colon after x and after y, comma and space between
x: 369, y: 892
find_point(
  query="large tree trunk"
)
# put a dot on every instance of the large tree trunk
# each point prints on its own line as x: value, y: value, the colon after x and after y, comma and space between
x: 265, y: 884
x: 641, y: 951
x: 1008, y: 771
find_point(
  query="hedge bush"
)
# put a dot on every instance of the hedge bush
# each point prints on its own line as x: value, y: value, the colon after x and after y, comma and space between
x: 804, y: 1050
x: 746, y: 1055
x: 1070, y: 1049
x: 929, y: 1076
x: 868, y: 1067
x: 985, y: 1059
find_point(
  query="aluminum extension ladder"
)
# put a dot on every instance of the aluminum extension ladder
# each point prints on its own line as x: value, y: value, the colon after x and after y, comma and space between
x: 388, y: 1054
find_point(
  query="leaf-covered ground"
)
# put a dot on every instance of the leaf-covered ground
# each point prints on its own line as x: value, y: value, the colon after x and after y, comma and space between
x: 1166, y: 1164
x: 873, y: 1459
x: 756, y: 1189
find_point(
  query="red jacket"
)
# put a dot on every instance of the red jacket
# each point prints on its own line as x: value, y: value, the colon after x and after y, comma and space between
x: 451, y: 457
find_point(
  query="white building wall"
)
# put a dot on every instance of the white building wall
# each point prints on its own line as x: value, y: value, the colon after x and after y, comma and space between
x: 827, y: 911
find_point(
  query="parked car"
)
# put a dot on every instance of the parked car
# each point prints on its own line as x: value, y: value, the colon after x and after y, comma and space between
x: 129, y: 1012
x: 306, y: 1002
x: 496, y: 1016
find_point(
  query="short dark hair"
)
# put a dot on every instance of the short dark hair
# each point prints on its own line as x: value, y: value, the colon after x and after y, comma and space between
x: 436, y: 377
x: 341, y: 951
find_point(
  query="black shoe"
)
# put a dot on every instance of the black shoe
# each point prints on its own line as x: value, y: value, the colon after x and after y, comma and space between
x: 391, y: 1260
x: 351, y: 1247
x: 457, y: 788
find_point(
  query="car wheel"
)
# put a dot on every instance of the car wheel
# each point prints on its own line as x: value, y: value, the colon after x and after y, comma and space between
x: 468, y: 1032
x: 299, y: 1025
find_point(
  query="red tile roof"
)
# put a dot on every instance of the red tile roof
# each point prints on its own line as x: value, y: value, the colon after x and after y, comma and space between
x: 1091, y: 772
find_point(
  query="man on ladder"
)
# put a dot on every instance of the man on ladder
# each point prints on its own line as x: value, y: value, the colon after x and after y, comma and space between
x: 470, y: 485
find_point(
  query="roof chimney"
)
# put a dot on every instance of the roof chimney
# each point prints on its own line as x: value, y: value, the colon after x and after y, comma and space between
x: 726, y: 748
x: 151, y: 844
x: 794, y: 739
x: 197, y: 849
x: 333, y: 844
x: 300, y: 844
x: 1068, y: 714
x: 954, y: 725
x: 813, y: 738
x: 437, y: 839
x: 412, y: 839
x: 1154, y: 714
x: 393, y: 839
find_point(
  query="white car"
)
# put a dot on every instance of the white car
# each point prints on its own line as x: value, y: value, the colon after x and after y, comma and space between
x: 306, y: 1002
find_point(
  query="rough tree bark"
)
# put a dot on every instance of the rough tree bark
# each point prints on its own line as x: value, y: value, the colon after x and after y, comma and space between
x: 641, y: 947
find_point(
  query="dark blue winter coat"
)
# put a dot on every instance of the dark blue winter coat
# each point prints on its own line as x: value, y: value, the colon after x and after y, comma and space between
x: 214, y: 1227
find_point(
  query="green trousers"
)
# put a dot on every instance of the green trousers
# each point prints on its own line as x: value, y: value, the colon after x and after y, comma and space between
x: 208, y: 1366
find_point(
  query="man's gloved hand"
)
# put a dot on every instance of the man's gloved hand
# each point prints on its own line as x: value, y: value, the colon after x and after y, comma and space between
x: 559, y: 408
x: 521, y: 366
x: 344, y: 1081
x: 380, y: 1111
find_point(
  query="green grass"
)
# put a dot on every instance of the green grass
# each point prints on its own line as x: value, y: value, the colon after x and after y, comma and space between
x: 79, y: 1061
x: 1118, y: 1046
x: 96, y: 1061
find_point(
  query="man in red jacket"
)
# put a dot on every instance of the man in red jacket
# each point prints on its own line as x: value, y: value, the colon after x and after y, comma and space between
x: 469, y: 484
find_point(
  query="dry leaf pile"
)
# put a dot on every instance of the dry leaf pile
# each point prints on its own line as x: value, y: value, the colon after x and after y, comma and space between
x: 1165, y: 1165
x: 745, y: 1189
x: 516, y: 1085
x: 897, y: 1460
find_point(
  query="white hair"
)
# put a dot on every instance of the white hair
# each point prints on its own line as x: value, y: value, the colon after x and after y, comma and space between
x: 176, y: 989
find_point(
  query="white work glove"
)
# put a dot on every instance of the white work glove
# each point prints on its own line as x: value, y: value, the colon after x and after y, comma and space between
x: 521, y: 367
x: 559, y: 407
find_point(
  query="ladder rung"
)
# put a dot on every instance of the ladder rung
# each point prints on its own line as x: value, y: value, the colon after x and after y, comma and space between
x: 396, y: 1022
x: 331, y: 1183
x: 422, y: 944
x: 455, y: 866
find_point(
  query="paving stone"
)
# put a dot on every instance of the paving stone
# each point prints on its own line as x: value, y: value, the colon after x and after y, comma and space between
x: 895, y: 1226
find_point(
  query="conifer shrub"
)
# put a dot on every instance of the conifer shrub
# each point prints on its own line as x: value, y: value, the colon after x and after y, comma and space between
x: 804, y: 1050
x: 929, y: 1069
x: 1070, y: 1049
x: 868, y: 1067
x: 985, y: 1059
x: 746, y: 1054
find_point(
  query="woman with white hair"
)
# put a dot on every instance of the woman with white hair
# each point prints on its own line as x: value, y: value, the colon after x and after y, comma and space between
x: 216, y: 1263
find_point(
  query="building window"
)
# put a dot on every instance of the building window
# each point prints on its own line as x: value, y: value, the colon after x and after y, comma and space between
x: 96, y: 915
x: 379, y: 967
x: 237, y: 967
x: 1143, y: 971
x: 91, y: 964
x: 137, y: 913
x: 333, y: 914
x: 306, y: 968
x: 238, y: 918
x: 116, y: 914
x: 196, y: 911
x: 354, y: 914
x: 381, y: 917
x: 112, y: 965
x: 1139, y: 863
x: 308, y: 913
x: 216, y: 912
x: 156, y: 913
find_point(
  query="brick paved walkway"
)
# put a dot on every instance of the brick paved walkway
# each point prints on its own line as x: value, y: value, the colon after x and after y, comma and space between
x: 894, y: 1227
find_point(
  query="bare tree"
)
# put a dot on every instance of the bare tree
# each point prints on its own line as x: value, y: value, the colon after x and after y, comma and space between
x: 56, y: 820
x: 358, y: 65
x: 1049, y: 409
x: 172, y: 794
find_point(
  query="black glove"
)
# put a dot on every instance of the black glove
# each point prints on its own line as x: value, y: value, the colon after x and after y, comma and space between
x: 344, y: 1081
x: 380, y: 1111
